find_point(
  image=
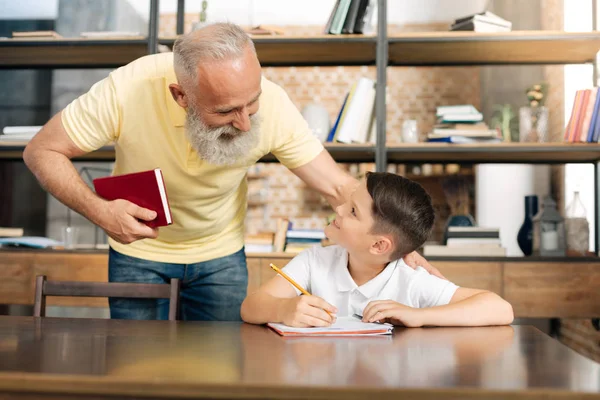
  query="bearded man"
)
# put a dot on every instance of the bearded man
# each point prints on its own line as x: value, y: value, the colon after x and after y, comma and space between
x: 203, y: 114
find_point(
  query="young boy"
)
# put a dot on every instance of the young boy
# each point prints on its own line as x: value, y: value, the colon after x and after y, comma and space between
x: 386, y: 217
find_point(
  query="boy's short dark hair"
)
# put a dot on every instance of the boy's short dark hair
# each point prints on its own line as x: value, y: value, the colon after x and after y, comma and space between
x: 402, y: 209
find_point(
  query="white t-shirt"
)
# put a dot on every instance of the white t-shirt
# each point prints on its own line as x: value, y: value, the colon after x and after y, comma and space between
x: 323, y: 272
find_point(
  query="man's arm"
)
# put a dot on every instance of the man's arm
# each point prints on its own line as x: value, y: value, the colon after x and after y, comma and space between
x: 48, y: 156
x: 326, y: 177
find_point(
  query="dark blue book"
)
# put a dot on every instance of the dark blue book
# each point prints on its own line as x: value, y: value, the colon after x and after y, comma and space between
x: 594, y: 122
x: 337, y: 121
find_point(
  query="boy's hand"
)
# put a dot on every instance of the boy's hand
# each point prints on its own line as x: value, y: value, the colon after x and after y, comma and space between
x: 415, y: 260
x: 306, y: 311
x: 392, y: 312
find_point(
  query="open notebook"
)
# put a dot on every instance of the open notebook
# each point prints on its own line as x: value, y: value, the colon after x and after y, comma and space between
x: 343, y: 326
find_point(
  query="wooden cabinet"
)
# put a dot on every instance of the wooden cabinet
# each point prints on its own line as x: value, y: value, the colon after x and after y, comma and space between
x: 540, y: 289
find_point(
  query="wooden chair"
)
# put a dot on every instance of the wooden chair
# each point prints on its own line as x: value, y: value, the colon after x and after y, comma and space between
x: 45, y: 288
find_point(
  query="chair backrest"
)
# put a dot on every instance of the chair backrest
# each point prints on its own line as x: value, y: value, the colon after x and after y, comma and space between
x: 45, y: 288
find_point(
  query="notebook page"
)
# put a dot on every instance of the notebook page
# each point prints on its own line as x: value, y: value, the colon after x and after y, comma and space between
x: 346, y: 326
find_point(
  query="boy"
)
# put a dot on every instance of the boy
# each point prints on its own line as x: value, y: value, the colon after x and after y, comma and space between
x: 386, y: 217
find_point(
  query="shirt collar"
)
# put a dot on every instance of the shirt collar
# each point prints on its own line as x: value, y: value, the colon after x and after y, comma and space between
x: 177, y: 114
x: 345, y: 283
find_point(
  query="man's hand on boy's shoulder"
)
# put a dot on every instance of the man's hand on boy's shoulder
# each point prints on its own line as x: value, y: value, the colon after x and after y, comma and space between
x: 392, y: 312
x: 415, y: 260
x: 306, y: 311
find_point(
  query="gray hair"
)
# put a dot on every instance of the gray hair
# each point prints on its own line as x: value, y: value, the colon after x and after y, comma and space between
x: 216, y: 42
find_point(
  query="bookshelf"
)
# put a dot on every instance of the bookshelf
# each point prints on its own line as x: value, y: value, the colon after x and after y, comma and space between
x: 405, y: 49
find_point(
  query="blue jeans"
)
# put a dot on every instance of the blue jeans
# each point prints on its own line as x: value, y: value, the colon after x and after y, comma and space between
x: 210, y: 291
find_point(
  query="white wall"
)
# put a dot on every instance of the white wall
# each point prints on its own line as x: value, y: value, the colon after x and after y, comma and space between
x: 28, y: 9
x: 314, y: 12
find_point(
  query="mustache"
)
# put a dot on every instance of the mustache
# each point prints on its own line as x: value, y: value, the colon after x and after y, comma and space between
x: 228, y: 132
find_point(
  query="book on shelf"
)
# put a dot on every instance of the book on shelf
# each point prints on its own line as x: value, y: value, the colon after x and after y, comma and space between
x: 482, y: 22
x: 21, y: 130
x: 315, y: 234
x: 463, y: 251
x: 469, y: 241
x: 472, y: 232
x: 355, y: 122
x: 351, y: 16
x: 279, y: 239
x: 458, y: 139
x: 18, y: 133
x: 36, y: 35
x: 466, y: 113
x: 146, y: 189
x: 265, y: 30
x: 259, y: 243
x: 111, y: 34
x: 33, y: 242
x: 11, y: 232
x: 583, y: 125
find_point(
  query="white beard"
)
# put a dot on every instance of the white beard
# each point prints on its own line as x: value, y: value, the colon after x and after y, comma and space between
x: 224, y: 145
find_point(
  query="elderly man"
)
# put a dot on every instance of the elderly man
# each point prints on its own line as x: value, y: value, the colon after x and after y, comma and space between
x: 194, y: 113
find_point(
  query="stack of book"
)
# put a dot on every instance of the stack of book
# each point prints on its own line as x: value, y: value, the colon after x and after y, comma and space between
x: 355, y: 122
x: 298, y: 240
x: 482, y: 22
x: 469, y: 241
x: 583, y: 125
x: 351, y: 16
x: 259, y: 243
x: 461, y: 124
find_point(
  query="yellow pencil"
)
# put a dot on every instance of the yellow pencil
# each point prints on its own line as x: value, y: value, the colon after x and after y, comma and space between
x: 290, y: 280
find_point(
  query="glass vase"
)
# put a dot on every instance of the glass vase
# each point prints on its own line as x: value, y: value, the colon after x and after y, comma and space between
x: 533, y: 124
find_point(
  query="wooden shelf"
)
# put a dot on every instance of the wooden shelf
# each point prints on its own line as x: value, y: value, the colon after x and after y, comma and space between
x: 70, y: 53
x: 417, y: 49
x: 111, y: 53
x: 323, y: 50
x: 470, y: 48
x: 530, y: 153
x: 340, y: 152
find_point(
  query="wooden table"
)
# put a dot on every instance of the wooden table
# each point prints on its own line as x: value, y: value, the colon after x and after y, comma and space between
x: 96, y: 359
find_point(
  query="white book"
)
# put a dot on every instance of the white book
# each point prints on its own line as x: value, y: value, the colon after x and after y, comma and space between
x: 442, y: 132
x: 463, y: 251
x: 362, y: 133
x: 110, y: 34
x: 481, y: 26
x: 458, y: 109
x: 351, y: 123
x: 21, y: 130
x: 486, y: 16
x: 343, y: 326
x: 305, y: 234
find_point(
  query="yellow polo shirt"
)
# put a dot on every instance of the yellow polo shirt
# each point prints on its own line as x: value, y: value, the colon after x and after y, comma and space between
x: 134, y: 109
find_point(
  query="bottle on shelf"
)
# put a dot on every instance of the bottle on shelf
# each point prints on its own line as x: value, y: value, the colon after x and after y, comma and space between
x: 577, y: 226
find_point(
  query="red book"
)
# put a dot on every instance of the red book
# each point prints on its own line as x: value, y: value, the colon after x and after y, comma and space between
x: 146, y: 189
